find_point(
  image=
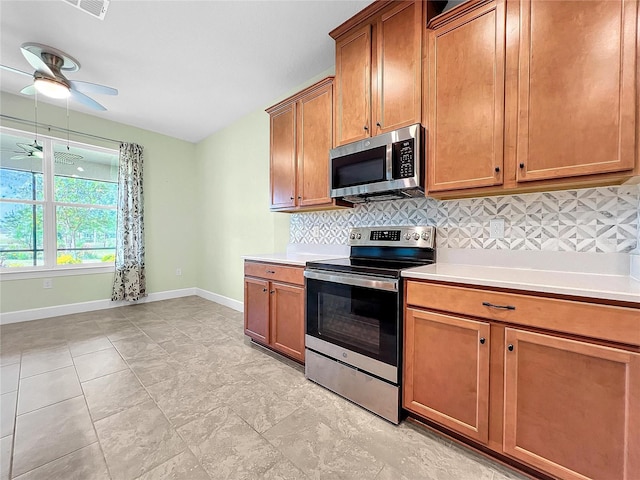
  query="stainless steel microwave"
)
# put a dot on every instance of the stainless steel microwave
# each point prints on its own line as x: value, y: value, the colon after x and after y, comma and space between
x: 386, y: 167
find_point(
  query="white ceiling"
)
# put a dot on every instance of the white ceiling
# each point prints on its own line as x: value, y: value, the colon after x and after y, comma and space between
x: 183, y: 68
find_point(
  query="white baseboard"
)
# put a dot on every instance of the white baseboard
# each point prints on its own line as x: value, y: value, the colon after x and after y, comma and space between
x: 57, y: 310
x: 226, y: 301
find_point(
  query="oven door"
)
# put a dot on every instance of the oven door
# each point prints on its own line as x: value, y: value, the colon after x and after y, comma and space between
x: 355, y: 319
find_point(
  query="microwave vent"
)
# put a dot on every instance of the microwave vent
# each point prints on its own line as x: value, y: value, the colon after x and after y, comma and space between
x: 95, y: 8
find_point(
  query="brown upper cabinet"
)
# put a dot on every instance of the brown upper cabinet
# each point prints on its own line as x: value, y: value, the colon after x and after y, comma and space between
x: 301, y: 137
x: 378, y: 84
x: 577, y: 88
x: 532, y: 95
x: 466, y: 97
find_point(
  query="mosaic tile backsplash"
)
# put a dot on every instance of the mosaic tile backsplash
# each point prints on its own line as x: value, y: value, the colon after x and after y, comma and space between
x: 603, y: 219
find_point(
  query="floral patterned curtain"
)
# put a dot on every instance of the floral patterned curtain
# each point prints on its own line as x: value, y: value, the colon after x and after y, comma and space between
x: 129, y: 283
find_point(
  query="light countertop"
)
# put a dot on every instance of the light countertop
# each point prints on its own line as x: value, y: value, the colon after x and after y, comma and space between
x: 300, y: 254
x: 290, y: 258
x: 580, y: 275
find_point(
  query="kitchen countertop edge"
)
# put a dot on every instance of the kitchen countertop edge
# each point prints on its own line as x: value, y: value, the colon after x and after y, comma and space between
x: 622, y: 288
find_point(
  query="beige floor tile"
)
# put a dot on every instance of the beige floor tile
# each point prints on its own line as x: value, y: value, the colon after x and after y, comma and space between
x: 284, y: 470
x: 8, y: 403
x: 137, y: 440
x: 227, y: 447
x: 5, y: 456
x: 261, y: 408
x: 181, y: 467
x: 97, y: 364
x: 9, y: 354
x: 51, y: 432
x: 9, y: 375
x: 113, y: 393
x: 89, y: 345
x: 48, y: 388
x: 156, y: 368
x: 137, y: 347
x: 319, y: 451
x: 84, y: 464
x: 184, y: 398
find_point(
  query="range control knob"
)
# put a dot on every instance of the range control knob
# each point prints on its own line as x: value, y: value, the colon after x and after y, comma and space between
x: 352, y: 236
x: 416, y: 236
x: 358, y: 236
x: 426, y: 236
x: 407, y: 236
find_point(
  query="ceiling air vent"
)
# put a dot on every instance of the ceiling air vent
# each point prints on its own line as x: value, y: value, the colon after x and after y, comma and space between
x: 96, y: 8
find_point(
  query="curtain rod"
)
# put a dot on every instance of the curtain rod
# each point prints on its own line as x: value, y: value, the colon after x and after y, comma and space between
x: 58, y: 129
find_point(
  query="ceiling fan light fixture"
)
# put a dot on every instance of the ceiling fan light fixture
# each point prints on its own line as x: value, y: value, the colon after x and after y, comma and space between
x: 52, y: 88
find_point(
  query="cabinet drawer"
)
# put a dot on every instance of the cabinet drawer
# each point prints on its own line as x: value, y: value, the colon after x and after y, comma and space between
x: 270, y: 271
x: 617, y: 324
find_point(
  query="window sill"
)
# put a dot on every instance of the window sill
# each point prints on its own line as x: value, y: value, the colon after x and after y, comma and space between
x: 22, y: 274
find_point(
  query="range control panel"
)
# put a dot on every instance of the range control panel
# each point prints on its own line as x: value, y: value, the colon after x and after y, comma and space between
x: 411, y: 236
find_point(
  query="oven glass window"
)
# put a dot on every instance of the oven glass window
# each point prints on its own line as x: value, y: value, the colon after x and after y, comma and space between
x: 360, y: 319
x: 359, y: 168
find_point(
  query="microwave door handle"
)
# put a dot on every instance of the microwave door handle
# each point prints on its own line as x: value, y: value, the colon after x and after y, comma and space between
x: 389, y: 161
x: 353, y: 280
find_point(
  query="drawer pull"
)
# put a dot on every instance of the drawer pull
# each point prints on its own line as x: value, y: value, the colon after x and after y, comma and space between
x: 510, y: 347
x: 270, y: 271
x: 264, y: 290
x: 501, y: 307
x: 482, y: 340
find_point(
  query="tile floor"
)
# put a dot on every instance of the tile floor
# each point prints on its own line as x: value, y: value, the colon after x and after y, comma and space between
x: 172, y: 390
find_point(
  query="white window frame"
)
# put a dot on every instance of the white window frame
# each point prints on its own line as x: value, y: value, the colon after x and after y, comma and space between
x: 50, y: 247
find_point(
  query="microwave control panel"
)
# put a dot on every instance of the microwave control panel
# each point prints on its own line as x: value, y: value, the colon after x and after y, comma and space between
x: 404, y: 159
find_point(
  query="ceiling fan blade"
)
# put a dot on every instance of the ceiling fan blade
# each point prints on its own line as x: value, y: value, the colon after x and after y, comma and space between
x: 15, y: 70
x: 36, y: 62
x: 28, y: 90
x: 88, y: 87
x: 88, y: 101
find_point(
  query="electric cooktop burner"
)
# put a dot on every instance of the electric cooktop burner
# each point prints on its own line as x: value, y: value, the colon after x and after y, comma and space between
x: 384, y: 251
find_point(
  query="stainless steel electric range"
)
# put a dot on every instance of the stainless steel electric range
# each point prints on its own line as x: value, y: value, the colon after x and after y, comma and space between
x: 354, y: 315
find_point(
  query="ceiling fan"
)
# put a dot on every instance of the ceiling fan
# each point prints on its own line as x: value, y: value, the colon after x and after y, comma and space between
x: 35, y: 150
x: 48, y: 79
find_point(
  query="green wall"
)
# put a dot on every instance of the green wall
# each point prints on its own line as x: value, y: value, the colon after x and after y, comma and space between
x: 170, y: 216
x: 206, y: 205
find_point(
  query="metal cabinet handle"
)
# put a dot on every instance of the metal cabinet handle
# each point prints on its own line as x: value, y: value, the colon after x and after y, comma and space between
x: 366, y: 127
x: 497, y: 169
x: 378, y: 125
x: 482, y: 340
x: 522, y: 165
x: 270, y: 271
x: 290, y: 198
x: 510, y: 347
x: 264, y: 290
x: 272, y: 291
x: 500, y: 307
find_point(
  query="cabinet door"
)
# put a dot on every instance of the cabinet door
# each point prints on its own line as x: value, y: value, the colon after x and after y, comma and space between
x: 256, y: 309
x: 399, y: 68
x: 315, y: 138
x: 466, y: 99
x: 446, y: 371
x: 283, y: 157
x: 577, y: 88
x: 353, y: 86
x: 572, y: 408
x: 287, y: 320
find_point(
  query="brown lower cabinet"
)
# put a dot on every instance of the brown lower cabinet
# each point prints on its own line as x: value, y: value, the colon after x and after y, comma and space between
x: 274, y: 307
x: 564, y: 403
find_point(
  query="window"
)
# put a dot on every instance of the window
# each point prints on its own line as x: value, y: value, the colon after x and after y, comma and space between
x: 57, y: 202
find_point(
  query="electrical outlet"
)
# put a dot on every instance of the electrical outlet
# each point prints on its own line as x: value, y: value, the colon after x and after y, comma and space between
x: 178, y: 271
x: 47, y: 283
x: 496, y: 228
x: 315, y: 232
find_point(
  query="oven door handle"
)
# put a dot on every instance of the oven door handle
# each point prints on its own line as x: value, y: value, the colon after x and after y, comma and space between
x: 354, y: 280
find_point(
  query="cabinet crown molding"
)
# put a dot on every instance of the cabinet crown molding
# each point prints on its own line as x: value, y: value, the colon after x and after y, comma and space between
x: 360, y: 17
x: 456, y: 12
x: 300, y: 94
